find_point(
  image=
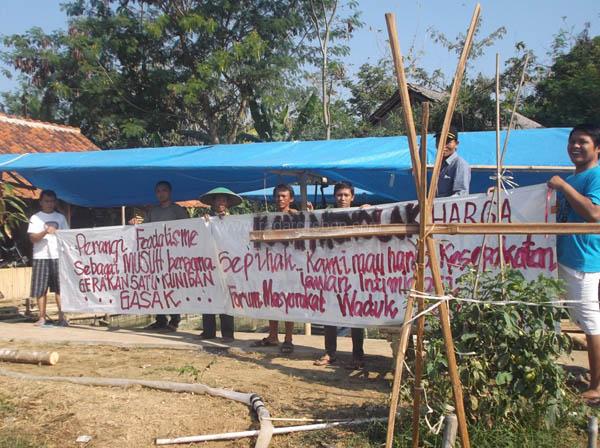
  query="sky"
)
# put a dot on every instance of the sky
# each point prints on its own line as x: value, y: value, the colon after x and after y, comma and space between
x: 534, y: 22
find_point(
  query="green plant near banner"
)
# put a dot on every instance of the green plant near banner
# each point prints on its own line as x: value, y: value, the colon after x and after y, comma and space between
x: 12, y: 210
x: 507, y: 354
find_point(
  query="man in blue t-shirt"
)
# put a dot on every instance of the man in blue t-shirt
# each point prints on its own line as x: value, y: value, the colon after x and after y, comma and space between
x: 579, y: 255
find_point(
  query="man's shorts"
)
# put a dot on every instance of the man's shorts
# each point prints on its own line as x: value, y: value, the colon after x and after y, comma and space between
x: 583, y: 288
x: 44, y: 275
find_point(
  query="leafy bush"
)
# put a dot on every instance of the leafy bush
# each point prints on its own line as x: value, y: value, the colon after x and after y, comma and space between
x: 11, y: 210
x: 506, y: 354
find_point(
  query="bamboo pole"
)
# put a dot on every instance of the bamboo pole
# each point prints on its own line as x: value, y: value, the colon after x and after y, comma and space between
x: 28, y: 356
x: 458, y: 76
x: 498, y: 165
x: 507, y: 228
x: 424, y: 218
x: 505, y: 145
x: 514, y: 109
x: 419, y: 183
x: 449, y: 344
x: 407, y: 113
x: 398, y: 367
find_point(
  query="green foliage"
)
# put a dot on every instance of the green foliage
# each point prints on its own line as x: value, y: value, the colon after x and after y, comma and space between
x: 507, y: 354
x: 12, y: 210
x: 195, y: 373
x: 140, y: 72
x: 567, y: 434
x: 570, y: 94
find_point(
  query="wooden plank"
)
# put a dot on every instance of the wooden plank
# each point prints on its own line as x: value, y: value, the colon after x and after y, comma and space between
x: 15, y: 282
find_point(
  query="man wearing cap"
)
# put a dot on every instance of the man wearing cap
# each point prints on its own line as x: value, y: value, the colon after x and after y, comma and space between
x: 166, y: 210
x: 455, y: 174
x: 220, y: 200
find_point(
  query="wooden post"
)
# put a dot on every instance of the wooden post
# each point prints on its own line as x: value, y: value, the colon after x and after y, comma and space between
x: 434, y: 263
x: 303, y: 192
x: 123, y: 215
x: 460, y: 70
x: 68, y: 214
x: 592, y: 432
x: 498, y: 165
x: 424, y: 219
x: 449, y: 435
x: 303, y: 207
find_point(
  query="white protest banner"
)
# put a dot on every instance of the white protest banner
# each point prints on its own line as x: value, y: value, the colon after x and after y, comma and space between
x: 191, y: 266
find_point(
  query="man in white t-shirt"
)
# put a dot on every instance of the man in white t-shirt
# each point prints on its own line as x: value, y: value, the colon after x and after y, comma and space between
x: 42, y: 233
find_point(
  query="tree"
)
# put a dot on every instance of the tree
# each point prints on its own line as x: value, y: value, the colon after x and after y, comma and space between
x: 570, y: 94
x: 146, y: 72
x: 374, y: 84
x: 326, y: 27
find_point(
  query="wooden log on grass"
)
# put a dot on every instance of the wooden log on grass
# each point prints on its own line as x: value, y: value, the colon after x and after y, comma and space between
x: 28, y: 357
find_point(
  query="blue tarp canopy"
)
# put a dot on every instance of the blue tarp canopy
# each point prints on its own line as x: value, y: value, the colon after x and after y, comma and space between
x: 381, y: 165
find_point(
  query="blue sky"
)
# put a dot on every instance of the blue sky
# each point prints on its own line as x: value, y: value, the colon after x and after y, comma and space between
x: 531, y: 21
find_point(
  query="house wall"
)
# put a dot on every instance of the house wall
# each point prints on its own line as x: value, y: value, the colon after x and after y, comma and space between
x: 15, y: 283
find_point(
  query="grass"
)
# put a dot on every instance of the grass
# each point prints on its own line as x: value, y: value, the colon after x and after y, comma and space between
x: 16, y: 441
x: 7, y: 437
x: 6, y: 407
x: 515, y: 436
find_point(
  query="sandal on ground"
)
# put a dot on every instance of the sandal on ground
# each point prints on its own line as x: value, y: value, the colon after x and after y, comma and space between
x: 590, y: 397
x: 156, y: 326
x: 286, y: 348
x: 325, y: 360
x: 356, y: 364
x: 205, y: 336
x: 264, y: 342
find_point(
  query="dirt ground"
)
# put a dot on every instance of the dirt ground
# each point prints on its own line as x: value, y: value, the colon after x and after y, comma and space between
x: 55, y: 414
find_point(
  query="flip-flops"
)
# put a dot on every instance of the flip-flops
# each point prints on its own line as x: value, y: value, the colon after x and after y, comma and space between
x: 325, y: 360
x: 286, y: 348
x: 358, y: 363
x: 264, y: 342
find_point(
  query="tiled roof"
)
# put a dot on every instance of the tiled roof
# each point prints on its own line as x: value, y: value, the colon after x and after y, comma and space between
x: 20, y: 135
